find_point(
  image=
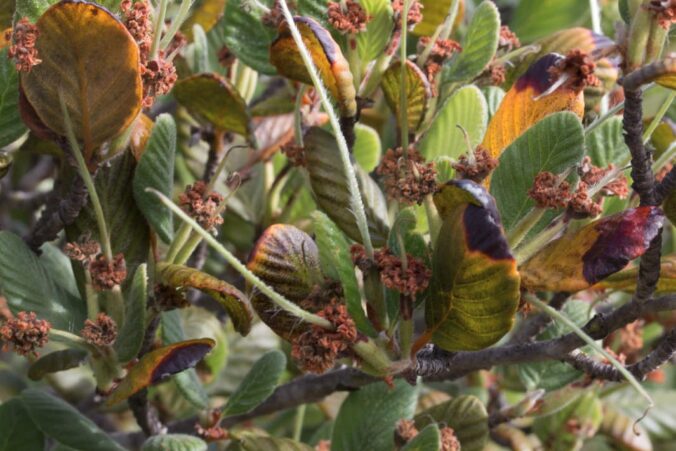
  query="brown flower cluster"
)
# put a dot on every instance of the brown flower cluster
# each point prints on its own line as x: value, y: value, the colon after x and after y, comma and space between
x: 664, y: 11
x: 203, y: 207
x: 579, y: 67
x: 82, y: 251
x: 497, y: 73
x: 158, y: 76
x: 169, y: 298
x: 275, y: 16
x: 101, y: 332
x: 407, y: 180
x: 508, y: 39
x: 295, y: 154
x: 225, y: 57
x: 449, y: 441
x: 25, y: 333
x: 404, y: 432
x: 550, y: 191
x: 209, y: 429
x: 317, y: 349
x: 414, y: 279
x: 137, y: 19
x: 323, y: 445
x: 177, y: 43
x: 22, y: 48
x: 351, y: 20
x: 107, y: 274
x: 414, y: 12
x: 591, y: 175
x: 442, y: 50
x: 478, y: 167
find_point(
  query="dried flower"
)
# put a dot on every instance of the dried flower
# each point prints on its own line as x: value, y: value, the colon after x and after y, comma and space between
x: 82, y: 251
x: 208, y: 427
x: 317, y: 349
x: 592, y: 175
x: 351, y: 20
x: 107, y: 274
x: 225, y: 57
x: 25, y: 333
x: 631, y: 339
x: 295, y: 154
x: 407, y: 180
x: 404, y: 432
x: 23, y: 49
x: 442, y: 50
x: 203, y: 207
x: 410, y: 281
x: 101, y: 332
x: 169, y: 298
x: 137, y: 19
x: 497, y: 73
x: 414, y: 12
x: 582, y: 205
x: 664, y: 11
x: 359, y: 258
x: 449, y: 441
x: 508, y: 39
x: 158, y: 77
x: 579, y: 67
x: 177, y: 43
x: 483, y: 164
x: 550, y: 191
x: 323, y: 445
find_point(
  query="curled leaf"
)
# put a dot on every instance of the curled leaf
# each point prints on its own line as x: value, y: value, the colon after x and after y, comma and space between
x: 229, y: 297
x: 89, y: 58
x: 418, y: 92
x: 522, y: 106
x: 287, y: 259
x: 56, y: 361
x: 475, y: 285
x: 332, y: 66
x: 159, y: 364
x: 213, y: 98
x: 581, y: 258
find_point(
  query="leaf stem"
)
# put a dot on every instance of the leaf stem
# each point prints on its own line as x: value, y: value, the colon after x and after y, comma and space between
x: 403, y: 79
x: 524, y: 226
x: 157, y: 32
x: 356, y: 203
x: 250, y: 277
x: 442, y: 30
x: 543, y: 238
x: 658, y: 116
x: 176, y: 23
x: 561, y: 317
x: 298, y: 117
x: 298, y: 422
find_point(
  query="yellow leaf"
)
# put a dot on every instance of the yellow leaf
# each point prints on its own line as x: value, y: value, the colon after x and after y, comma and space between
x: 434, y: 14
x: 625, y: 280
x: 418, y: 91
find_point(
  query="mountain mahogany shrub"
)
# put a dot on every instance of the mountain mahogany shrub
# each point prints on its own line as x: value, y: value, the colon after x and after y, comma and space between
x: 202, y: 202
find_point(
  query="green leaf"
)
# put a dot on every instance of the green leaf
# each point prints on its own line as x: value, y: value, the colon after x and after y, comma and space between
x: 467, y: 108
x: 418, y: 93
x: 39, y: 293
x: 230, y: 298
x: 17, y: 430
x: 554, y: 144
x: 246, y: 36
x: 258, y: 385
x: 56, y: 361
x: 199, y: 322
x: 605, y: 145
x: 64, y: 423
x: 554, y: 430
x: 174, y: 442
x: 428, y: 439
x: 245, y: 352
x: 466, y: 415
x: 32, y: 9
x: 156, y: 170
x: 262, y: 443
x: 334, y: 255
x: 367, y: 148
x: 131, y: 335
x: 478, y: 47
x: 537, y: 18
x: 59, y: 268
x: 494, y: 96
x: 317, y: 9
x: 551, y: 375
x: 475, y: 283
x: 371, y: 43
x: 11, y: 125
x: 330, y: 187
x: 367, y: 418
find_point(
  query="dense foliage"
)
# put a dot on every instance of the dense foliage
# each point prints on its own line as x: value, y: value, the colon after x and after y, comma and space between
x: 345, y: 225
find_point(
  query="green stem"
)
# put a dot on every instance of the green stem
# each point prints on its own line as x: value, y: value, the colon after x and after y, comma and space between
x: 187, y: 249
x: 516, y: 53
x: 543, y: 238
x: 375, y: 75
x: 430, y: 45
x: 356, y: 203
x: 91, y: 297
x: 403, y: 76
x: 443, y: 31
x: 298, y: 117
x: 433, y: 219
x: 375, y: 359
x: 559, y: 316
x: 524, y: 226
x: 177, y: 244
x: 176, y: 23
x: 157, y: 32
x: 70, y: 339
x: 298, y: 422
x: 658, y: 117
x: 250, y: 277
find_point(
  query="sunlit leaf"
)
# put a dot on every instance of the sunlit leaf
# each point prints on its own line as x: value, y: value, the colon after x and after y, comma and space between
x: 434, y: 14
x: 56, y: 361
x: 478, y: 47
x: 418, y: 92
x: 229, y: 297
x: 367, y: 148
x: 329, y: 184
x: 371, y: 42
x: 467, y: 108
x: 466, y: 415
x: 11, y: 126
x: 17, y: 429
x: 554, y: 430
x: 213, y: 98
x: 156, y: 170
x: 583, y: 257
x: 89, y: 58
x: 475, y: 285
x: 174, y: 442
x: 287, y: 259
x: 159, y: 364
x: 130, y: 338
x: 625, y: 280
x: 494, y: 96
x: 367, y: 417
x: 333, y: 68
x: 522, y: 107
x: 536, y: 18
x: 205, y: 13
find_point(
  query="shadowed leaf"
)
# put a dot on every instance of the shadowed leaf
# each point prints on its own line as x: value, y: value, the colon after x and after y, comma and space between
x: 174, y: 442
x: 287, y: 259
x: 250, y: 442
x: 625, y: 280
x: 11, y: 126
x: 521, y: 108
x: 130, y: 338
x: 555, y: 431
x: 475, y: 285
x: 213, y: 98
x: 418, y: 92
x: 17, y: 431
x: 229, y: 297
x: 623, y: 430
x: 588, y: 255
x: 56, y: 361
x: 327, y: 57
x: 466, y: 415
x: 159, y: 364
x: 89, y: 57
x: 605, y: 145
x: 205, y: 13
